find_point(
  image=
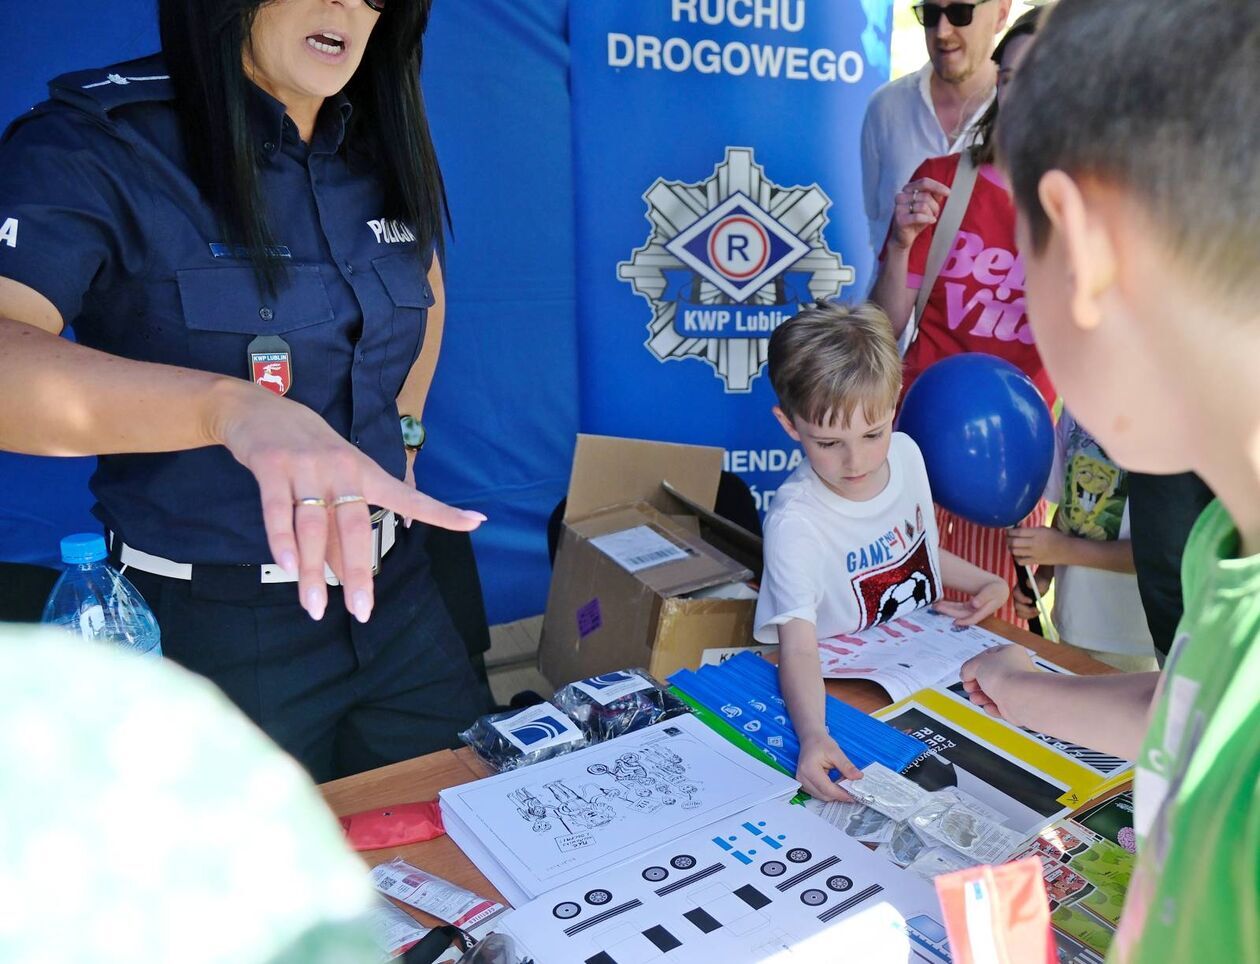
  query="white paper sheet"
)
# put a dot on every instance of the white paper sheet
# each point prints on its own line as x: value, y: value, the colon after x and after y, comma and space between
x: 532, y: 829
x: 773, y: 883
x: 907, y: 654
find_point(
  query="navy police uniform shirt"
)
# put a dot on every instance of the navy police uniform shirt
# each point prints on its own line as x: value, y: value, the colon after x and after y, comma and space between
x: 98, y: 214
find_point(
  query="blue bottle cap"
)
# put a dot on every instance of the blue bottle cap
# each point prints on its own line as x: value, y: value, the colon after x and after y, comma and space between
x: 83, y: 547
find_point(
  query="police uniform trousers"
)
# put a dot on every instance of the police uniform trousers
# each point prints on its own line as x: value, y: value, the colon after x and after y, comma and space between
x: 339, y: 695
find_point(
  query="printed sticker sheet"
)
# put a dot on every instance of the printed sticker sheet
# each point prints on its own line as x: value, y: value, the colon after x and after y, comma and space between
x: 774, y: 882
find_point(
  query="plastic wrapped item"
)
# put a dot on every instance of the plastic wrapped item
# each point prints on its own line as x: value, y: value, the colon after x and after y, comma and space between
x: 890, y: 793
x: 433, y: 895
x: 971, y: 834
x: 506, y: 741
x: 904, y: 846
x: 614, y: 704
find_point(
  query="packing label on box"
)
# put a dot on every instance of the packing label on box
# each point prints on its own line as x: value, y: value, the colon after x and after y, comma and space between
x: 609, y: 687
x: 538, y: 728
x: 638, y: 548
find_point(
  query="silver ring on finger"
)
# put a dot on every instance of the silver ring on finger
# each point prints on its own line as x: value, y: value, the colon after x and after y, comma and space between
x: 319, y: 503
x: 347, y: 500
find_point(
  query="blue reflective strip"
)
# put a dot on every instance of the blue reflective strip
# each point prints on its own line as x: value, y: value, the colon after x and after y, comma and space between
x: 721, y: 843
x: 773, y: 843
x: 755, y: 831
x: 742, y: 857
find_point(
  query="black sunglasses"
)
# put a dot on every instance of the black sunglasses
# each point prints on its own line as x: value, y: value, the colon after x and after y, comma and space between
x: 929, y: 14
x: 379, y: 5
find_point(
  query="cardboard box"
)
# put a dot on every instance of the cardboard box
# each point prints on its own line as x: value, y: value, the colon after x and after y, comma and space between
x: 604, y: 614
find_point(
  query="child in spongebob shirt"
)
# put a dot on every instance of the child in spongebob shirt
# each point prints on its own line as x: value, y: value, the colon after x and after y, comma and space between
x: 1087, y: 553
x: 851, y: 538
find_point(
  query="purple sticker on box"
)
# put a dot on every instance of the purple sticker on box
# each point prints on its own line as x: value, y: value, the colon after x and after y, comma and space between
x: 589, y: 618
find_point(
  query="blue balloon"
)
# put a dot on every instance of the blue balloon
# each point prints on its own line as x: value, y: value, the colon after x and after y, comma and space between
x: 986, y: 436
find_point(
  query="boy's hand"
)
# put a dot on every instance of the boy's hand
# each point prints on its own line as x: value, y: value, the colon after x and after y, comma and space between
x: 985, y: 678
x: 1039, y: 546
x: 820, y: 754
x: 980, y: 606
x: 1025, y: 605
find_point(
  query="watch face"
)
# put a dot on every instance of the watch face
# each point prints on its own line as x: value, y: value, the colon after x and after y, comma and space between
x: 412, y: 431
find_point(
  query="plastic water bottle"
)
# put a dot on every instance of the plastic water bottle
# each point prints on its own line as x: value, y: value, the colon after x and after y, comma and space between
x: 95, y: 602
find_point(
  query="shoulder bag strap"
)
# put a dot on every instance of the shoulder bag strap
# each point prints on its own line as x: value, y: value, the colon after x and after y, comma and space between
x: 943, y: 238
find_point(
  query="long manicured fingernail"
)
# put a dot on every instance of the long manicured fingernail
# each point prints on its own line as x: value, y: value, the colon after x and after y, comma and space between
x: 288, y: 562
x: 314, y: 604
x: 361, y: 606
x: 475, y: 516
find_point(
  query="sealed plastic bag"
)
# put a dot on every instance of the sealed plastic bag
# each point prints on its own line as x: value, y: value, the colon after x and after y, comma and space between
x: 506, y: 741
x: 613, y: 704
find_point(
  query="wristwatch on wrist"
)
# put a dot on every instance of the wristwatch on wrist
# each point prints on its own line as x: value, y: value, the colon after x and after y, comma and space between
x: 412, y: 433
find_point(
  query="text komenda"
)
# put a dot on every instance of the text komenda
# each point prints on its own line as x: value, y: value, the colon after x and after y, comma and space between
x: 734, y: 58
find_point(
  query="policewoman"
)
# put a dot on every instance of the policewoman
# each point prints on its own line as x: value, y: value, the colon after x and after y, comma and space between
x: 242, y: 231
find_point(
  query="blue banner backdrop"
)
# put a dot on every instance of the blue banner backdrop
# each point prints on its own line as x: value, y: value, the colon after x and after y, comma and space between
x: 718, y: 186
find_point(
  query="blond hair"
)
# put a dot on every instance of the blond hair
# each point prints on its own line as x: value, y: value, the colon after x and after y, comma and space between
x: 829, y: 358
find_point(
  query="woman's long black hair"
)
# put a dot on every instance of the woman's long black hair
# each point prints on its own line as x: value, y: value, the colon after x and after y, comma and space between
x: 984, y: 147
x: 203, y: 41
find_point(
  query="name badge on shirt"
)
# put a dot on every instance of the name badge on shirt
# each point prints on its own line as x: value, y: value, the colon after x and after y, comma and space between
x: 271, y: 363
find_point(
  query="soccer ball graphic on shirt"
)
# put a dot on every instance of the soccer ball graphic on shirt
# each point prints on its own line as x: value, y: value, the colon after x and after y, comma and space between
x: 913, y: 592
x: 898, y: 587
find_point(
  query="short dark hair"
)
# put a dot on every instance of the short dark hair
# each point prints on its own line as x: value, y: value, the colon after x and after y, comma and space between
x: 1159, y: 98
x: 830, y: 358
x: 203, y: 42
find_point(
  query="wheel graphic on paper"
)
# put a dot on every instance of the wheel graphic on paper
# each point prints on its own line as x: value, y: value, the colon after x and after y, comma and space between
x: 839, y: 883
x: 598, y: 896
x: 774, y: 868
x: 799, y: 855
x: 655, y: 874
x: 813, y: 897
x: 683, y: 862
x: 566, y: 910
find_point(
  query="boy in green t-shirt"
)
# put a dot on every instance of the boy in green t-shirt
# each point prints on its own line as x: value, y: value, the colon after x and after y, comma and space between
x: 1133, y: 141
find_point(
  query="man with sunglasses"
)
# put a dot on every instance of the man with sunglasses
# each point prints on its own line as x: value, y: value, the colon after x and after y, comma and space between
x: 929, y: 113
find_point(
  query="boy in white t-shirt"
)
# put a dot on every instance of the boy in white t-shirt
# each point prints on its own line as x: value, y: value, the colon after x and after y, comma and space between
x: 851, y: 536
x: 1088, y: 554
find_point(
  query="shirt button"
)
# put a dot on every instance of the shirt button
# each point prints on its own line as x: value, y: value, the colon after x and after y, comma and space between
x: 270, y: 147
x: 266, y: 314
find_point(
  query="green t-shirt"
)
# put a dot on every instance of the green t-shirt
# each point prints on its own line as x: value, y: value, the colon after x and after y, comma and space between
x: 1195, y: 893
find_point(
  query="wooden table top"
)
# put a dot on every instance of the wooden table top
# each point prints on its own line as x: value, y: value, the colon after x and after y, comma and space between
x: 421, y: 778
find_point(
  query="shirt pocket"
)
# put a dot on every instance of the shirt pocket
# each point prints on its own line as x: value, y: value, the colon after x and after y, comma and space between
x: 407, y: 288
x: 224, y: 310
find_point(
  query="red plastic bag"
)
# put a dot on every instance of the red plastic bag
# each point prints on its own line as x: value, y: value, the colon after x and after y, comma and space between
x: 998, y: 915
x: 394, y: 826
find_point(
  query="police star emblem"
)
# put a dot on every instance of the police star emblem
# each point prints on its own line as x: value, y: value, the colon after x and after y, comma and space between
x: 728, y: 260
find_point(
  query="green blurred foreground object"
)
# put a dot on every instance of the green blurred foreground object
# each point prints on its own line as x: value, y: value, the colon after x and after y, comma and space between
x: 144, y: 819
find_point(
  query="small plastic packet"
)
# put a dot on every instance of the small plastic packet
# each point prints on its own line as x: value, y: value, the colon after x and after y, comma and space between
x: 970, y: 833
x: 506, y: 741
x: 856, y: 820
x: 904, y: 845
x: 433, y: 895
x: 617, y: 703
x: 893, y: 795
x: 934, y: 861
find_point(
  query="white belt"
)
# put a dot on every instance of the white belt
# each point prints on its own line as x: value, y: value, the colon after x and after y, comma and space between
x: 384, y: 524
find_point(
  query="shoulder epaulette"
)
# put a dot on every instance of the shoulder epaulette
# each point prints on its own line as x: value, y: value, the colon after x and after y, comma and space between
x: 105, y: 89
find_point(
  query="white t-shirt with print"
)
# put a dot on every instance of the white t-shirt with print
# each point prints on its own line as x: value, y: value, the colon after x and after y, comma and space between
x: 843, y: 565
x: 1094, y: 608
